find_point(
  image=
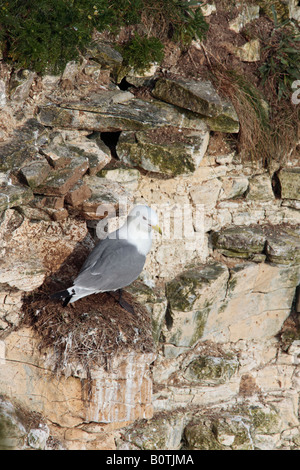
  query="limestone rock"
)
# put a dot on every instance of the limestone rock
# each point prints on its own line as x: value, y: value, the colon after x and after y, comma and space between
x: 217, y: 433
x: 12, y: 195
x: 191, y: 296
x: 207, y: 9
x: 243, y: 278
x: 281, y: 8
x: 224, y: 159
x: 206, y: 193
x: 37, y: 438
x: 79, y: 193
x: 59, y: 182
x: 72, y: 69
x: 34, y: 213
x: 173, y: 259
x: 98, y: 157
x: 126, y: 177
x: 116, y: 404
x: 20, y: 84
x: 293, y: 203
x: 50, y: 202
x: 177, y: 155
x: 268, y: 292
x: 20, y: 266
x: 240, y: 428
x: 197, y: 287
x: 227, y: 121
x: 107, y: 198
x: 104, y: 115
x: 35, y: 173
x: 121, y: 394
x: 58, y: 155
x: 26, y: 274
x: 249, y: 52
x: 241, y: 242
x: 179, y: 117
x: 247, y: 14
x: 3, y: 96
x: 232, y: 431
x: 294, y: 10
x: 23, y: 147
x: 30, y: 250
x: 201, y: 98
x: 208, y: 303
x: 211, y: 370
x: 260, y: 188
x: 103, y: 53
x: 45, y: 208
x: 233, y: 187
x: 141, y: 79
x: 154, y: 300
x: 290, y: 183
x: 159, y: 433
x: 12, y: 431
x: 10, y: 307
x: 283, y: 247
x: 200, y: 436
x: 101, y: 114
x: 58, y: 215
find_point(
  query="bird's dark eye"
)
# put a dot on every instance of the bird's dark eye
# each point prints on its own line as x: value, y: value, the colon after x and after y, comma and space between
x: 144, y: 218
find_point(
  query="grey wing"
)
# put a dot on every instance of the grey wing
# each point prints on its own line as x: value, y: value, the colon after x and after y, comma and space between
x: 113, y: 266
x: 95, y: 254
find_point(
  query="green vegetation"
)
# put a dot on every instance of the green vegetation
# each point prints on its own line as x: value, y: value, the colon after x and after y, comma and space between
x: 261, y: 92
x: 281, y: 66
x: 175, y: 20
x: 140, y: 51
x: 44, y: 35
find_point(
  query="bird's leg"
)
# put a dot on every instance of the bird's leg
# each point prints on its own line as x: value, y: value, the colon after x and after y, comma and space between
x: 121, y: 301
x: 125, y: 304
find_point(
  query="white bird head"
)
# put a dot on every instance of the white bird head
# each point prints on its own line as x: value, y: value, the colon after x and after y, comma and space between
x: 145, y: 218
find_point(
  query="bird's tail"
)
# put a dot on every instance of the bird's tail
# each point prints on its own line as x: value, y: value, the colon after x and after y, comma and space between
x: 64, y: 295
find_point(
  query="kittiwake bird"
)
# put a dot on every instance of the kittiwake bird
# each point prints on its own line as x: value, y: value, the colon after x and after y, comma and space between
x: 116, y: 261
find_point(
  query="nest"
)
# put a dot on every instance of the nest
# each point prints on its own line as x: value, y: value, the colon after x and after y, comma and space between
x: 88, y: 333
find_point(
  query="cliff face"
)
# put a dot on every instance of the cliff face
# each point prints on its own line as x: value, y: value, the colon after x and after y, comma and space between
x: 211, y: 358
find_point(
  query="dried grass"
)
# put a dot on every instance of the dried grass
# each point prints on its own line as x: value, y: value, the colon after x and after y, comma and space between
x: 88, y: 333
x: 269, y: 129
x: 254, y: 140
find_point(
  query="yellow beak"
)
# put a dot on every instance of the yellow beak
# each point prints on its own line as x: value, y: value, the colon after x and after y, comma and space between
x: 157, y: 229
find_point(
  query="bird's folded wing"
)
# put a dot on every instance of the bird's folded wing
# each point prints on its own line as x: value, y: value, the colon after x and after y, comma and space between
x: 114, y: 266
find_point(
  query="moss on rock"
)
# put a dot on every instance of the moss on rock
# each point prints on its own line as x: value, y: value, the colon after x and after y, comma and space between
x: 289, y: 179
x: 14, y: 195
x: 201, y: 98
x: 192, y: 296
x: 210, y: 370
x: 241, y: 242
x: 172, y: 157
x: 186, y: 289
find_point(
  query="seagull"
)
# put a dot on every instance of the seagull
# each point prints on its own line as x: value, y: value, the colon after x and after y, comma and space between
x: 116, y: 261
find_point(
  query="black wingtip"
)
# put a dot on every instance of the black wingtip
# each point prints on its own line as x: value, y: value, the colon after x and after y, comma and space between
x: 62, y: 295
x: 67, y: 300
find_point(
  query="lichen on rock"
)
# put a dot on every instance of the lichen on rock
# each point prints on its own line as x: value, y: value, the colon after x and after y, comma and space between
x: 180, y: 154
x: 239, y: 241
